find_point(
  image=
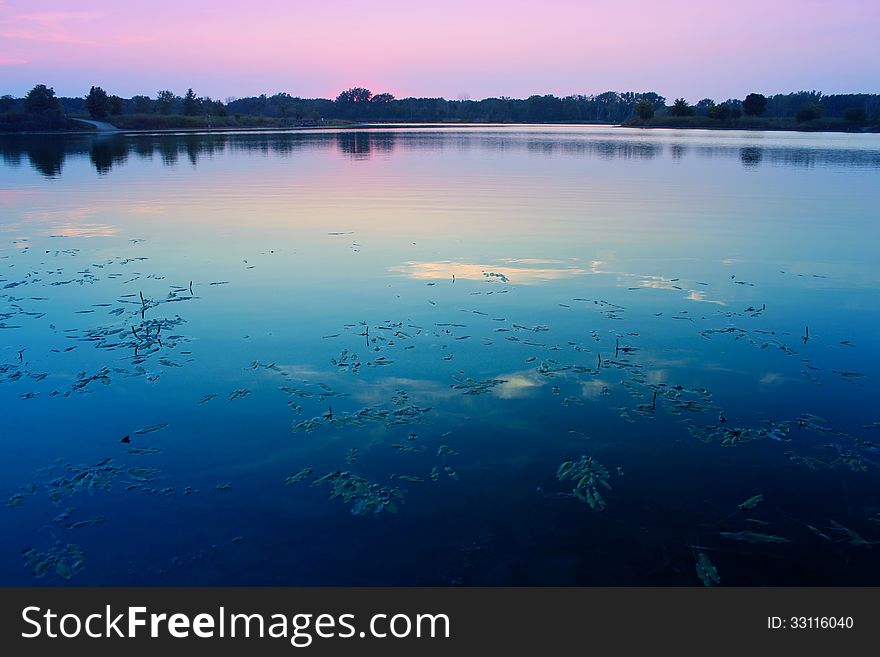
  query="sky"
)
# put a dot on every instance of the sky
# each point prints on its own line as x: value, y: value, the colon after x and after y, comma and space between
x: 454, y: 49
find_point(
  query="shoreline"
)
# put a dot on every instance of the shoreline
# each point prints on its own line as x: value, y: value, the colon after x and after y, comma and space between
x: 708, y: 125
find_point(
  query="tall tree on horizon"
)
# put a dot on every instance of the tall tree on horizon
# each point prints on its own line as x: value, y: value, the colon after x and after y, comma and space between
x: 97, y: 103
x: 40, y: 99
x: 190, y: 103
x: 165, y: 101
x: 644, y: 109
x: 142, y: 104
x: 681, y: 108
x: 754, y: 104
x: 355, y: 95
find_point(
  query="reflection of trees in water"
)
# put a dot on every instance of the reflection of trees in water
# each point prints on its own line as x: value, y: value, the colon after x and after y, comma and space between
x: 107, y: 152
x: 46, y: 153
x: 628, y: 150
x: 143, y: 149
x: 751, y: 156
x: 362, y: 144
x: 168, y: 149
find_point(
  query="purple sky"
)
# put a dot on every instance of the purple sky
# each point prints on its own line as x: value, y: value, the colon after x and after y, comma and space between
x: 453, y: 48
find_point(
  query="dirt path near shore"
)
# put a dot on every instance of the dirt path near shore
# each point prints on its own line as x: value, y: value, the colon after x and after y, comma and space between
x: 101, y: 126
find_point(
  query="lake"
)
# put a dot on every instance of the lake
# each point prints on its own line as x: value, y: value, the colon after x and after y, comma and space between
x: 473, y: 355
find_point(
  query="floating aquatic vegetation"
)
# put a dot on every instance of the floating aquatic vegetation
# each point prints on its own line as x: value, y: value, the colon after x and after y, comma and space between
x: 307, y: 426
x: 733, y: 436
x: 408, y: 478
x: 852, y: 460
x: 757, y: 521
x: 64, y: 559
x: 347, y: 360
x: 475, y: 387
x: 450, y: 472
x: 852, y: 536
x: 588, y: 476
x: 270, y: 366
x: 83, y: 478
x: 706, y: 570
x: 83, y: 379
x: 754, y: 537
x: 15, y: 500
x: 408, y: 448
x: 86, y: 523
x: 64, y: 515
x: 299, y: 476
x: 849, y: 375
x: 366, y: 497
x: 322, y: 394
x: 751, y: 503
x: 151, y: 429
x: 143, y: 474
x: 808, y: 461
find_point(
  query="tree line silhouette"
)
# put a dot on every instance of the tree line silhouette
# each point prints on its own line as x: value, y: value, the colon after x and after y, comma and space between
x: 41, y: 105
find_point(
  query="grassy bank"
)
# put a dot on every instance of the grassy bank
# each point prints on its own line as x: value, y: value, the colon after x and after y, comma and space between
x: 754, y: 123
x: 52, y: 121
x: 49, y: 121
x: 181, y: 122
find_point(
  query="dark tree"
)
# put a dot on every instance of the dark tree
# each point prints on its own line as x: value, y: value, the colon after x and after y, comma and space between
x: 216, y: 107
x: 644, y: 109
x: 681, y: 108
x: 116, y: 105
x: 810, y: 112
x: 141, y: 104
x: 98, y: 103
x: 856, y: 114
x: 355, y: 95
x: 734, y: 107
x: 704, y: 107
x: 382, y: 98
x: 40, y: 99
x: 7, y: 102
x: 190, y: 103
x: 720, y: 112
x: 754, y: 104
x: 165, y: 101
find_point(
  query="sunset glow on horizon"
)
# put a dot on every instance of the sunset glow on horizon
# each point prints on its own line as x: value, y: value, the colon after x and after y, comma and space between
x: 455, y: 50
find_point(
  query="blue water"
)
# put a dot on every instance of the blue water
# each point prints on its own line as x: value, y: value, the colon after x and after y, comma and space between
x: 438, y: 318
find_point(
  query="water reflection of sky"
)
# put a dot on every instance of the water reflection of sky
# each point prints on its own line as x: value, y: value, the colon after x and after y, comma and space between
x: 572, y: 271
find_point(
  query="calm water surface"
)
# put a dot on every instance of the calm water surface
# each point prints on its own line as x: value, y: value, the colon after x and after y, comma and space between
x: 365, y: 358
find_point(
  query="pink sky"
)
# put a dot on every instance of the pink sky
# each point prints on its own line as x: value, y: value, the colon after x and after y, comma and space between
x: 453, y: 48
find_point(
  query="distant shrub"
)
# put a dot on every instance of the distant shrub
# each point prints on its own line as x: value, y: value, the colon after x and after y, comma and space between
x: 754, y: 104
x: 720, y: 112
x: 810, y: 112
x: 856, y: 115
x: 41, y: 99
x: 644, y: 109
x: 681, y: 108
